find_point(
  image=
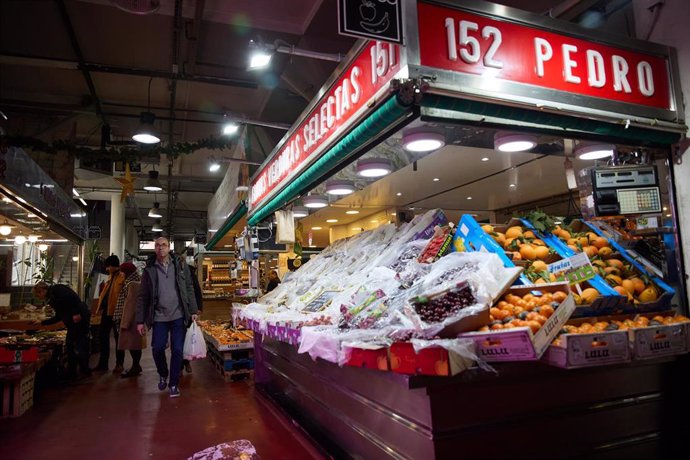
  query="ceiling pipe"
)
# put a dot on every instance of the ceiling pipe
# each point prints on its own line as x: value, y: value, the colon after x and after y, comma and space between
x: 80, y: 58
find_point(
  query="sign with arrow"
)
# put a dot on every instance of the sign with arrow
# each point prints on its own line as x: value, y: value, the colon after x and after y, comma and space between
x: 371, y: 19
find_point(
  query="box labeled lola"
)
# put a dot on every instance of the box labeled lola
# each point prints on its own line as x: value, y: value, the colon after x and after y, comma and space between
x: 652, y: 342
x: 586, y: 350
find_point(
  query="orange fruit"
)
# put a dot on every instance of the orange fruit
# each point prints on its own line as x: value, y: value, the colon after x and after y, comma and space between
x: 622, y: 291
x: 528, y: 252
x: 583, y: 241
x: 529, y: 234
x: 629, y: 286
x: 573, y: 248
x: 614, y: 263
x: 542, y: 252
x: 546, y: 310
x: 639, y: 285
x: 539, y: 265
x: 591, y: 251
x: 589, y: 295
x: 514, y: 232
x: 516, y: 255
x: 541, y: 319
x: 500, y: 239
x: 564, y: 235
x: 538, y: 242
x: 534, y: 325
x: 488, y: 228
x: 540, y: 281
x: 600, y: 242
x: 605, y: 252
x: 614, y: 280
x: 649, y: 294
x: 559, y: 296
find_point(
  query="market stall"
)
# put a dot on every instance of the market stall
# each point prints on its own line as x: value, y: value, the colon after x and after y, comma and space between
x: 43, y: 240
x: 381, y: 345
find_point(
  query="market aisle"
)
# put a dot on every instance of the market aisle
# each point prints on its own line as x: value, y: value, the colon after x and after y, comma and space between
x: 106, y: 417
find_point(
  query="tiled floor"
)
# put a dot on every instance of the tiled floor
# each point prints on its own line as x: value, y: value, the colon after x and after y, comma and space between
x: 105, y: 417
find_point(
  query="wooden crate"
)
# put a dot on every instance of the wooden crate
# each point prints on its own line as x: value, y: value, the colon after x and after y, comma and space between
x: 17, y: 395
x: 231, y: 364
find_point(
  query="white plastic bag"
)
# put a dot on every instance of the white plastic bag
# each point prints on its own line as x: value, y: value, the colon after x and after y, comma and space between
x: 194, y: 343
x: 285, y: 222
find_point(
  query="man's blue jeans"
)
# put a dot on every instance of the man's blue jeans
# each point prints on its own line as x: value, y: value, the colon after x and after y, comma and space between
x: 176, y: 330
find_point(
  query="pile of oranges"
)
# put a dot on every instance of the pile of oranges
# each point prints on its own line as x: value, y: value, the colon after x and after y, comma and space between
x: 637, y: 322
x: 522, y: 244
x: 528, y: 310
x: 621, y: 275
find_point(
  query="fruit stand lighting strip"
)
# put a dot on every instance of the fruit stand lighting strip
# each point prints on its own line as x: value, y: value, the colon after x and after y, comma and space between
x: 230, y: 222
x: 372, y: 127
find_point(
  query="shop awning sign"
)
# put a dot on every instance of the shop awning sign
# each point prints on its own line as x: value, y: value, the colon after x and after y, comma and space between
x: 345, y: 102
x: 371, y: 19
x: 504, y: 51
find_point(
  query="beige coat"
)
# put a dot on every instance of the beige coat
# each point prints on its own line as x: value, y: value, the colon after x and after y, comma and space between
x: 130, y: 339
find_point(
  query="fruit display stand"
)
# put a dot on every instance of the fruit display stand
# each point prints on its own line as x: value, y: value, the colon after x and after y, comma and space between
x: 230, y: 350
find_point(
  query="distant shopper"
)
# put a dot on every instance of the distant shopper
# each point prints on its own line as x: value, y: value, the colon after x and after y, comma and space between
x: 125, y: 315
x: 187, y: 366
x: 273, y: 281
x: 75, y: 315
x: 107, y: 302
x: 166, y: 304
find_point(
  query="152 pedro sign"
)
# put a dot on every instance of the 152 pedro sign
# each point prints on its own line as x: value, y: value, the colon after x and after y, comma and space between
x: 375, y: 19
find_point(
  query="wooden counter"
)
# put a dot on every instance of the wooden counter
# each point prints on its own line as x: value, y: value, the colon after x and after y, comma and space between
x: 528, y: 410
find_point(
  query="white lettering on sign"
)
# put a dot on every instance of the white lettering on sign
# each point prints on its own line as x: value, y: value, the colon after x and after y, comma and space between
x: 471, y: 50
x: 543, y: 52
x: 334, y: 110
x: 596, y: 76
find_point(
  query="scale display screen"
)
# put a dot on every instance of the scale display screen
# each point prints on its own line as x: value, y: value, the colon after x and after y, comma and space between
x: 639, y: 200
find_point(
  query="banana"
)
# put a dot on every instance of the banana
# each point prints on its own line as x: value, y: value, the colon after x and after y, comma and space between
x: 376, y: 27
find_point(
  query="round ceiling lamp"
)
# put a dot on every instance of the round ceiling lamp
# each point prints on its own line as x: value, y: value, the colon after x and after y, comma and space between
x: 374, y: 167
x: 33, y: 238
x: 299, y: 212
x: 6, y: 228
x: 146, y: 133
x: 315, y: 201
x: 352, y: 211
x: 155, y: 211
x: 157, y: 227
x: 152, y: 183
x: 42, y: 247
x: 19, y: 239
x: 340, y: 187
x: 422, y: 140
x: 594, y: 151
x: 514, y: 142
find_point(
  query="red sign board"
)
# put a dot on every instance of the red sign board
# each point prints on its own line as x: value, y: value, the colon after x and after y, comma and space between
x: 343, y: 103
x: 468, y: 43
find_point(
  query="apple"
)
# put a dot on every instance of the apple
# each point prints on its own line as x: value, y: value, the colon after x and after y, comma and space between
x: 367, y: 10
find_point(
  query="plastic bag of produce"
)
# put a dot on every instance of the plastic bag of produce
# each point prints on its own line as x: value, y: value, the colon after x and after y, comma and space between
x: 194, y: 343
x: 285, y: 231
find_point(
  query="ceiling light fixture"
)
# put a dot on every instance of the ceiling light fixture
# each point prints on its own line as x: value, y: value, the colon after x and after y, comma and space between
x: 157, y: 227
x: 19, y: 239
x: 152, y: 183
x: 214, y: 166
x: 317, y: 228
x: 261, y: 54
x: 75, y: 258
x: 315, y: 201
x: 374, y: 167
x: 6, y: 228
x: 340, y: 187
x: 436, y: 179
x: 352, y: 212
x: 299, y: 211
x: 146, y: 133
x: 230, y: 128
x: 42, y: 247
x: 422, y: 140
x: 155, y: 211
x: 33, y: 238
x: 594, y: 151
x: 331, y: 221
x: 514, y: 142
x: 485, y: 159
x: 398, y: 194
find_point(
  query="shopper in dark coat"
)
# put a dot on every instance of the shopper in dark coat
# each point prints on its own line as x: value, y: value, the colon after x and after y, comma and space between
x: 76, y: 316
x: 166, y: 304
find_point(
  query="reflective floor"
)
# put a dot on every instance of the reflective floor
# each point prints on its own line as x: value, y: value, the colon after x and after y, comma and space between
x: 106, y: 417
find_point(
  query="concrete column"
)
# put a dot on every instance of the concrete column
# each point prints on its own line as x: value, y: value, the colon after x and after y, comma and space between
x: 117, y: 226
x: 132, y: 240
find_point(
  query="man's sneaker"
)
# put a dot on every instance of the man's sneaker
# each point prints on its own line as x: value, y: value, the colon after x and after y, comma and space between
x: 162, y: 384
x: 174, y: 391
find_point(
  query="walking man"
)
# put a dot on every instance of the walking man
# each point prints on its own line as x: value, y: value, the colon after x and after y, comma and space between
x: 166, y: 304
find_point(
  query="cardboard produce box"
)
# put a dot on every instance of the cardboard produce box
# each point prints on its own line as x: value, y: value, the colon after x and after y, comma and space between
x: 520, y: 343
x: 656, y: 341
x: 429, y: 361
x: 368, y: 358
x: 586, y: 350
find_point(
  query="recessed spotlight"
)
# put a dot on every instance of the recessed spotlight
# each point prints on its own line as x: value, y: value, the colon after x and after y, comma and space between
x: 374, y: 221
x: 331, y: 221
x: 436, y: 179
x: 352, y: 211
x: 668, y: 215
x: 665, y: 208
x: 485, y: 159
x: 469, y: 197
x: 317, y: 228
x: 512, y: 186
x: 399, y: 194
x: 514, y: 142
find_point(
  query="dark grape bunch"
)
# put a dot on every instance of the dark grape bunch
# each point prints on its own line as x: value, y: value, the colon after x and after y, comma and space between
x: 435, y: 310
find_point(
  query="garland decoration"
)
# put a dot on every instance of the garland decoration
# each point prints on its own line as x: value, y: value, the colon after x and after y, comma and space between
x: 122, y: 153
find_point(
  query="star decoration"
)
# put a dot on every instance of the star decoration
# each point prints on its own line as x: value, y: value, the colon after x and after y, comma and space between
x: 127, y: 183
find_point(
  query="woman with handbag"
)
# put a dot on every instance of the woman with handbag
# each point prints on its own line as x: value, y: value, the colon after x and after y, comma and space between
x: 125, y: 315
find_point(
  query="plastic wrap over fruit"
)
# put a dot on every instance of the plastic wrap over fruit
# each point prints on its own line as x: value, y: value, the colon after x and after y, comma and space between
x: 325, y: 341
x: 465, y: 348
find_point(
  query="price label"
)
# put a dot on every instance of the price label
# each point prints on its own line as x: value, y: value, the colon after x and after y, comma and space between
x: 575, y: 269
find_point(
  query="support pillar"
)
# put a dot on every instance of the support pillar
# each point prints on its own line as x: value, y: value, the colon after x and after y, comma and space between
x: 117, y: 226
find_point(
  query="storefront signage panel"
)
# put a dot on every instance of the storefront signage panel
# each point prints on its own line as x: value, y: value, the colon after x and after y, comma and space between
x: 26, y: 180
x: 496, y: 49
x: 342, y: 104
